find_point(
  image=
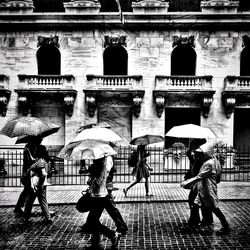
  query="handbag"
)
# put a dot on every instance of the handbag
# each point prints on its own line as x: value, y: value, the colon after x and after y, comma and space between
x: 85, y: 203
x: 133, y: 159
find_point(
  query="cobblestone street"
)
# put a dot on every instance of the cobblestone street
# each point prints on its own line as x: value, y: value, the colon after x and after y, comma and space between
x: 155, y: 223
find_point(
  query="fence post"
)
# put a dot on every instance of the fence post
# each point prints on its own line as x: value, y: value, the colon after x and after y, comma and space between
x: 2, y: 165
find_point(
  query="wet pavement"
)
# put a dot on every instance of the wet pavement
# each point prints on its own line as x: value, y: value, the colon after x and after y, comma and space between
x: 159, y: 222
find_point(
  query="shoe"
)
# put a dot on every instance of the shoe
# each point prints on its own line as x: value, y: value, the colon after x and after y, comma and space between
x: 149, y: 195
x: 205, y: 224
x: 122, y: 230
x: 18, y: 211
x: 125, y: 192
x: 115, y: 240
x: 48, y: 222
x: 85, y: 229
x: 150, y: 169
x: 223, y: 231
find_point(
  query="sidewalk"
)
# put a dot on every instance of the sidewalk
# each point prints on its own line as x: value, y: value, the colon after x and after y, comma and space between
x: 163, y: 192
x: 157, y: 223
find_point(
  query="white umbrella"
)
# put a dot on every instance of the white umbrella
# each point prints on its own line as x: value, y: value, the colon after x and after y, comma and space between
x: 87, y: 150
x: 100, y: 134
x: 191, y: 131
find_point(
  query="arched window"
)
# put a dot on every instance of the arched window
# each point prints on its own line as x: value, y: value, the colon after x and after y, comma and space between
x: 244, y: 62
x: 183, y: 60
x: 115, y: 60
x: 49, y: 60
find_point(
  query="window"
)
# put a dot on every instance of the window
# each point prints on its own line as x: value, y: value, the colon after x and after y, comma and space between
x: 49, y: 60
x: 115, y: 59
x: 244, y: 62
x: 183, y: 60
x: 184, y: 5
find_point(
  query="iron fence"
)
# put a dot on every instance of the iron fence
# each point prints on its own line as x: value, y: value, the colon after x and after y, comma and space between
x: 167, y: 168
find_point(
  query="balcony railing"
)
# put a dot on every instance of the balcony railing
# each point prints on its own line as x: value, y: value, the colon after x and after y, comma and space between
x: 237, y: 83
x: 183, y: 82
x: 114, y: 82
x: 47, y: 81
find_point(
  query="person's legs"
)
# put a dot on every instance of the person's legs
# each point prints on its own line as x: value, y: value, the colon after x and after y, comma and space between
x: 207, y: 216
x: 115, y: 214
x: 21, y: 200
x: 29, y: 201
x: 225, y: 229
x: 147, y: 183
x: 41, y: 195
x: 194, y: 218
x: 135, y: 181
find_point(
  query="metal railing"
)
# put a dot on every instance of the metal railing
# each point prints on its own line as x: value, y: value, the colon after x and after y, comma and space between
x: 169, y: 168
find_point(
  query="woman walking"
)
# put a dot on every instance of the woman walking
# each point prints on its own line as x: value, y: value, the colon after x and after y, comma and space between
x: 141, y: 170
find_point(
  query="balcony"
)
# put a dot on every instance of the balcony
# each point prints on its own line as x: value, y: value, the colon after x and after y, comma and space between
x: 236, y: 92
x: 58, y: 86
x: 114, y: 89
x: 4, y: 94
x: 183, y: 91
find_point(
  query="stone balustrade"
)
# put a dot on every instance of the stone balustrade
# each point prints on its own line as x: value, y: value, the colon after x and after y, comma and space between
x: 237, y: 83
x: 46, y: 81
x: 115, y: 82
x: 183, y: 82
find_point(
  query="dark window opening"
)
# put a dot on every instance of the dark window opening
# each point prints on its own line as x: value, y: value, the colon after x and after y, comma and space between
x: 244, y: 62
x: 49, y: 5
x: 244, y: 5
x: 49, y: 60
x: 241, y: 127
x: 184, y: 5
x: 111, y: 5
x: 183, y: 61
x: 115, y: 59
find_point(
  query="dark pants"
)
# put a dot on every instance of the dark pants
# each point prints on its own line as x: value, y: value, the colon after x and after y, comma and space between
x: 41, y: 195
x: 93, y: 220
x: 220, y: 216
x: 194, y: 219
x: 22, y: 197
x: 109, y: 204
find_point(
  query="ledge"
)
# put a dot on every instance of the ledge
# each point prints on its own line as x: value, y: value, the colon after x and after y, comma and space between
x: 130, y: 20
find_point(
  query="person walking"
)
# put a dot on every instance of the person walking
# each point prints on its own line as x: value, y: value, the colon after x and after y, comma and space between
x: 206, y: 182
x: 98, y: 192
x: 195, y: 165
x: 38, y: 173
x: 141, y: 170
x: 29, y: 156
x: 109, y: 204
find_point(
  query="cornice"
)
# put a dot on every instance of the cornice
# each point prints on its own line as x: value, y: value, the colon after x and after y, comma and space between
x: 130, y: 20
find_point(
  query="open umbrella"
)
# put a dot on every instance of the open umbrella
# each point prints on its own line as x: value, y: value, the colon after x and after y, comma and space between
x: 87, y: 150
x: 93, y: 125
x: 191, y: 131
x: 21, y: 126
x: 147, y: 139
x: 100, y: 134
x: 26, y: 138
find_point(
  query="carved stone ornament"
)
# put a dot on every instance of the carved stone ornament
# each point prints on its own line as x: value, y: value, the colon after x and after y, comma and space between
x: 229, y: 104
x: 206, y: 103
x: 150, y: 6
x: 160, y: 103
x: 25, y: 6
x: 82, y: 6
x: 28, y: 97
x: 137, y: 100
x: 183, y: 40
x: 53, y: 40
x: 4, y: 100
x: 91, y: 104
x: 120, y: 97
x: 221, y: 6
x: 69, y: 101
x: 189, y: 98
x: 114, y: 40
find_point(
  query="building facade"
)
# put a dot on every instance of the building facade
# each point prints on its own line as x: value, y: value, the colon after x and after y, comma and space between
x: 141, y: 66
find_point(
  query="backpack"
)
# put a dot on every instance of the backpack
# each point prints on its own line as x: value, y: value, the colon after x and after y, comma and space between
x: 133, y: 159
